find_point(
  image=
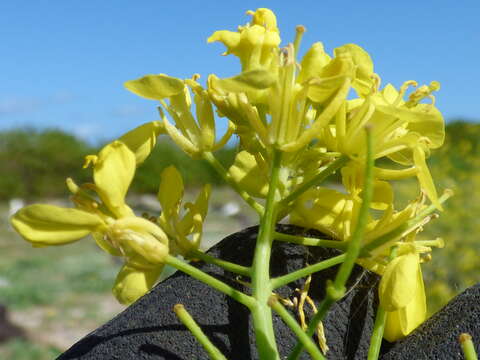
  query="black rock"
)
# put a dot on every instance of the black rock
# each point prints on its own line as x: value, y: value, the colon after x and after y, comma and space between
x: 149, y: 329
x: 437, y: 338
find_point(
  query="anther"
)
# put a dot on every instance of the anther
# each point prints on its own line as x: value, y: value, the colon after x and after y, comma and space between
x: 90, y: 159
x: 427, y: 257
x: 403, y: 89
x: 301, y: 29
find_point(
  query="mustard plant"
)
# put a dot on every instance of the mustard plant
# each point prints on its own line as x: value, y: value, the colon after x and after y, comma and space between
x: 296, y: 125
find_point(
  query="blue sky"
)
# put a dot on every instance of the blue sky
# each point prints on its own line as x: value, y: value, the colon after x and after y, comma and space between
x: 63, y: 62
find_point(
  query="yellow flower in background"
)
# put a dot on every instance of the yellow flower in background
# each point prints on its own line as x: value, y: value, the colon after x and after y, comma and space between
x: 102, y: 212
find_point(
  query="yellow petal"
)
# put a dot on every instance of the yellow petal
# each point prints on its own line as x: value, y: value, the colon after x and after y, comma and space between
x: 196, y: 212
x: 155, y: 87
x: 113, y: 173
x: 323, y: 209
x: 170, y: 192
x: 399, y: 282
x: 390, y: 221
x: 264, y: 17
x: 142, y: 139
x: 142, y: 226
x: 426, y: 120
x: 178, y: 138
x: 390, y: 94
x: 104, y: 244
x: 246, y: 81
x: 52, y: 225
x: 382, y: 195
x: 246, y: 172
x: 205, y: 117
x: 313, y: 62
x: 132, y: 283
x: 364, y: 67
x: 402, y: 322
x: 424, y: 177
x: 229, y: 38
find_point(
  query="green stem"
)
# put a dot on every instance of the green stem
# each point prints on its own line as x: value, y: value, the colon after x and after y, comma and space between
x: 322, y: 265
x: 316, y: 179
x: 336, y: 290
x: 261, y: 286
x: 295, y: 327
x: 377, y: 335
x: 379, y: 326
x: 191, y: 325
x: 227, y: 265
x: 212, y: 160
x: 198, y: 274
x: 467, y: 347
x: 308, y: 241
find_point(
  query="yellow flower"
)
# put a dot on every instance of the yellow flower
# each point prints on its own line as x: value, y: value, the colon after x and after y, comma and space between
x: 402, y: 131
x: 255, y: 44
x: 402, y: 295
x: 280, y: 108
x: 101, y: 211
x: 191, y: 136
x: 335, y: 213
x: 185, y: 230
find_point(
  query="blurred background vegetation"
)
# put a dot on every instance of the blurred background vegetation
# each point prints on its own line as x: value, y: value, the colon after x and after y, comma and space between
x: 57, y: 295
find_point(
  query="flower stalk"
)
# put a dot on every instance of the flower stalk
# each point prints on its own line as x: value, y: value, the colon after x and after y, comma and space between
x: 192, y: 326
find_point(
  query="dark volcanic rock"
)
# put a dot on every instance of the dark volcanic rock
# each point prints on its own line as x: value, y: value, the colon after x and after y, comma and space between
x: 149, y: 328
x: 437, y: 338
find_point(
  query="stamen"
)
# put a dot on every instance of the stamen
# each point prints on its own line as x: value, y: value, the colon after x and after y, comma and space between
x: 377, y: 81
x: 90, y: 159
x: 403, y: 89
x: 300, y: 30
x: 421, y: 93
x: 438, y: 243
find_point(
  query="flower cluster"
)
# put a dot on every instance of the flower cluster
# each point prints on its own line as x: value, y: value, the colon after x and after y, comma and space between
x: 276, y: 104
x: 100, y: 210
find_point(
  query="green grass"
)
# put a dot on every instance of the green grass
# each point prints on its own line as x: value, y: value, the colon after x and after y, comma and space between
x: 36, y: 276
x: 25, y: 350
